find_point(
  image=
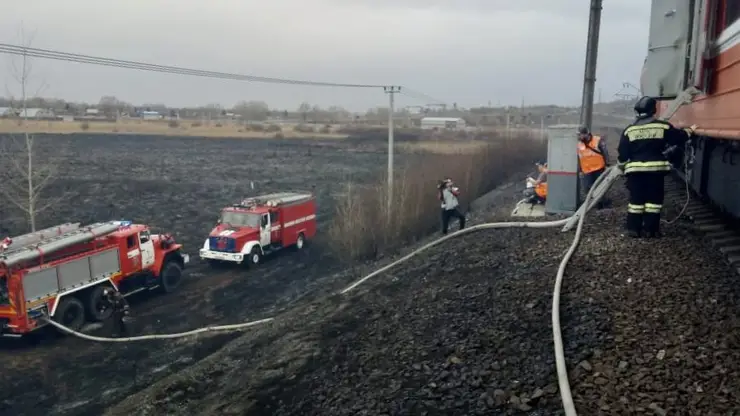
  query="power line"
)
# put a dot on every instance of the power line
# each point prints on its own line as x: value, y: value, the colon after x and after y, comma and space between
x: 119, y: 63
x: 143, y: 66
x: 419, y: 96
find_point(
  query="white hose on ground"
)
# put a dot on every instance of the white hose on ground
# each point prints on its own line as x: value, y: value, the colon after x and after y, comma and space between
x: 561, y: 367
x: 221, y: 328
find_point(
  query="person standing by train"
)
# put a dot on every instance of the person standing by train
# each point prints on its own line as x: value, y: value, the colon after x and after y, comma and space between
x: 642, y: 158
x: 593, y: 159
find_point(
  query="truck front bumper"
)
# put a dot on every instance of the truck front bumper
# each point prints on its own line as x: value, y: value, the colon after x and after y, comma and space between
x: 221, y: 256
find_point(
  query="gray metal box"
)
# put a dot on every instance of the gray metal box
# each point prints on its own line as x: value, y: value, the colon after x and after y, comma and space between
x: 562, y: 166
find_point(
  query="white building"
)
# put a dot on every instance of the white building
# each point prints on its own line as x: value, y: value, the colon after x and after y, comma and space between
x: 36, y: 113
x: 442, y: 123
x: 150, y: 115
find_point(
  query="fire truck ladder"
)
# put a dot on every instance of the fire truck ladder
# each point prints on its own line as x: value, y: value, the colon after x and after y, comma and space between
x: 40, y: 235
x: 51, y: 244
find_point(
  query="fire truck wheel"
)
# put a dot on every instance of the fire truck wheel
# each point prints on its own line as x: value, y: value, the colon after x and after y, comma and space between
x: 96, y: 310
x: 70, y: 313
x: 300, y: 243
x: 171, y: 277
x: 255, y: 256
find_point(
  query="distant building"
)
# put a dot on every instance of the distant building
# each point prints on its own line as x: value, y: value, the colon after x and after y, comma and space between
x: 6, y: 111
x: 37, y: 113
x: 150, y: 115
x: 92, y: 112
x: 442, y: 123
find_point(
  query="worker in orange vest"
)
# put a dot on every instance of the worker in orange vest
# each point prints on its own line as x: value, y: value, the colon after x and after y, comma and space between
x: 540, y: 185
x: 593, y: 159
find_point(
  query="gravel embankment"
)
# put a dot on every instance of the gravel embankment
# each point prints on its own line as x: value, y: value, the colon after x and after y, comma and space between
x: 650, y: 327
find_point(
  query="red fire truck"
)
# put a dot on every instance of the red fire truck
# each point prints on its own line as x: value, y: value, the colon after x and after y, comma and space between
x: 61, y: 272
x: 261, y: 225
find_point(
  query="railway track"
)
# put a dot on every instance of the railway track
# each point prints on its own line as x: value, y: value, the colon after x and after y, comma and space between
x: 715, y: 228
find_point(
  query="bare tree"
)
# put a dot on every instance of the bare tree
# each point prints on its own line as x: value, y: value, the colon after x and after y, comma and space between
x: 25, y: 177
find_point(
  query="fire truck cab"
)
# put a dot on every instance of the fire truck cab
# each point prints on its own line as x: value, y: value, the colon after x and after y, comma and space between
x: 62, y: 272
x: 261, y: 225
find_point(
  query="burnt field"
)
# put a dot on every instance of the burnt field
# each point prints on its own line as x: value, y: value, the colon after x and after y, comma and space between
x: 650, y: 327
x: 176, y: 185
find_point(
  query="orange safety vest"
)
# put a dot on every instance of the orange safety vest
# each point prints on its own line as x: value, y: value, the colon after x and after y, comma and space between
x: 541, y: 190
x: 590, y: 160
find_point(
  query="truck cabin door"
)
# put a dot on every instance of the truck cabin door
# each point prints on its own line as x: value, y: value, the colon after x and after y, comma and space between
x: 265, y: 231
x: 275, y: 228
x: 147, y: 249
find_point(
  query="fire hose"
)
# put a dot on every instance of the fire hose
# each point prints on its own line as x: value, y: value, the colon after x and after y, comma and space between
x: 597, y: 191
x: 600, y: 187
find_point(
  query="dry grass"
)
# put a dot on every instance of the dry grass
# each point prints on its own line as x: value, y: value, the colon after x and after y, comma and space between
x: 166, y: 128
x: 363, y: 226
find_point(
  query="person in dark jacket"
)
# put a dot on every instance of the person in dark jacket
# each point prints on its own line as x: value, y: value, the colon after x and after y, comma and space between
x: 641, y: 158
x: 121, y: 313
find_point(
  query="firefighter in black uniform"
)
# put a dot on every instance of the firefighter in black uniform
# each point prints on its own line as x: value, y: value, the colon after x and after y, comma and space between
x: 120, y: 316
x: 642, y: 159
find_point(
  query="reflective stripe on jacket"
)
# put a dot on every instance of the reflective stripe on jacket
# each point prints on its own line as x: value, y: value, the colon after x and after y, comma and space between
x: 643, y: 142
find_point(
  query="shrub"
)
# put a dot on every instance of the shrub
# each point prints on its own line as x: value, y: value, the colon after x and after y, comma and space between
x: 325, y: 130
x: 173, y: 124
x: 85, y: 126
x: 274, y: 128
x: 196, y: 124
x: 363, y: 227
x: 256, y: 127
x: 279, y: 135
x: 304, y: 128
x: 219, y: 125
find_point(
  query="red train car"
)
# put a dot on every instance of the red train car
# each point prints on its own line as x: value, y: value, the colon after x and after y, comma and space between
x: 696, y: 44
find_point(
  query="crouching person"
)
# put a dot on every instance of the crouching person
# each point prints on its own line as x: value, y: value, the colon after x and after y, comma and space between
x: 450, y: 205
x: 120, y: 318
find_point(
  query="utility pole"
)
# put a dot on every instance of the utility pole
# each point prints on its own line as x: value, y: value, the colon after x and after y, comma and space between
x: 589, y: 77
x: 391, y: 91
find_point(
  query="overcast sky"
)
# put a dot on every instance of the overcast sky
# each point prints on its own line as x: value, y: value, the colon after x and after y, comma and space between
x: 465, y: 51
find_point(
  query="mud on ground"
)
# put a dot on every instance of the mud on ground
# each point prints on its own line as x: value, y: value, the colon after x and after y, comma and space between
x: 650, y: 327
x: 176, y: 185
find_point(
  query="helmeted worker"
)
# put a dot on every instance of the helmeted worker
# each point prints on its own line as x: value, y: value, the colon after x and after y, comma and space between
x: 120, y: 316
x: 593, y: 159
x: 450, y: 205
x: 641, y: 157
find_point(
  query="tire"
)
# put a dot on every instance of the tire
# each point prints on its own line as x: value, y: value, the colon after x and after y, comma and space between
x: 255, y: 257
x: 70, y: 313
x: 300, y: 242
x: 170, y: 276
x: 95, y: 300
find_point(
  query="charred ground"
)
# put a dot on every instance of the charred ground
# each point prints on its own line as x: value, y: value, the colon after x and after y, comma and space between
x: 462, y: 329
x: 649, y: 328
x: 176, y: 185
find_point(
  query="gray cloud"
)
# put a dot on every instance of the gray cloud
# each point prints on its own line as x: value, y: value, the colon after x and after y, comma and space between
x: 464, y: 51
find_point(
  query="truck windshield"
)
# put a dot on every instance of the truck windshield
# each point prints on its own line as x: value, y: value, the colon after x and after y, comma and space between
x: 4, y: 294
x: 241, y: 219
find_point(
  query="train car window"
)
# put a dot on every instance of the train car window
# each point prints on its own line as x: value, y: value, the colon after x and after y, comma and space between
x: 131, y: 241
x: 273, y: 217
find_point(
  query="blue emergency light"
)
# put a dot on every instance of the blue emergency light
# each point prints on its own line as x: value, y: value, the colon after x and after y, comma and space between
x: 123, y: 223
